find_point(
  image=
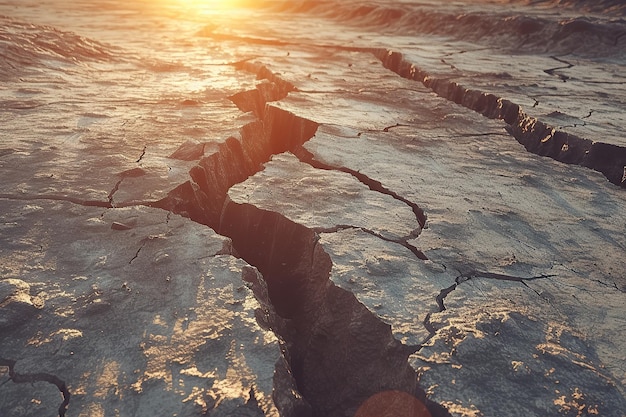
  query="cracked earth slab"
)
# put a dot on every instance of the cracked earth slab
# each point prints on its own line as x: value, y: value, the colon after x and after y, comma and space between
x: 151, y: 319
x: 490, y: 206
x: 469, y: 227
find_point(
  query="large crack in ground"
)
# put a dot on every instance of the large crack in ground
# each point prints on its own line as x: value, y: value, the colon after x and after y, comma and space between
x: 337, y: 353
x: 331, y: 342
x: 536, y: 136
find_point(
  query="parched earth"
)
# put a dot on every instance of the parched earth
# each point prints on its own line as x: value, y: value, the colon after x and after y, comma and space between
x: 314, y: 220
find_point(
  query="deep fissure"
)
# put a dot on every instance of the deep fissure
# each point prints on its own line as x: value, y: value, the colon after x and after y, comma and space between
x: 337, y: 351
x: 308, y: 312
x: 536, y: 136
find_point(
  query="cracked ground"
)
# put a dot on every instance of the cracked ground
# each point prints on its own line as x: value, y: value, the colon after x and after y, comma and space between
x: 282, y: 213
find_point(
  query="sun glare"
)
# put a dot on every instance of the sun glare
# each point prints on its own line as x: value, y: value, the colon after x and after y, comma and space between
x: 210, y: 4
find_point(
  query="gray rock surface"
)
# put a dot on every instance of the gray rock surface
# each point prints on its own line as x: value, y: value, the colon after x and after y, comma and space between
x: 152, y: 319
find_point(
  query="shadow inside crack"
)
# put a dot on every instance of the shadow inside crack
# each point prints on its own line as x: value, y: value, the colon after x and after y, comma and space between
x: 337, y: 353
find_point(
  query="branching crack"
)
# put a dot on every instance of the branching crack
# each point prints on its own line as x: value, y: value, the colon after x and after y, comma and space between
x: 39, y: 377
x: 464, y: 277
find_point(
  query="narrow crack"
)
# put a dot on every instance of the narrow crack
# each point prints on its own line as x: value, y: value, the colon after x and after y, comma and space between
x: 113, y: 191
x: 613, y: 285
x: 467, y: 276
x: 403, y: 242
x: 605, y: 82
x: 137, y: 253
x: 53, y: 197
x: 470, y: 135
x: 39, y: 377
x: 307, y: 157
x: 75, y: 200
x: 500, y: 277
x: 532, y: 289
x: 130, y: 173
x: 442, y: 296
x: 443, y: 61
x: 334, y: 229
x: 400, y: 241
x: 551, y: 71
x: 143, y: 153
x: 587, y: 290
x: 429, y: 328
x: 386, y: 129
